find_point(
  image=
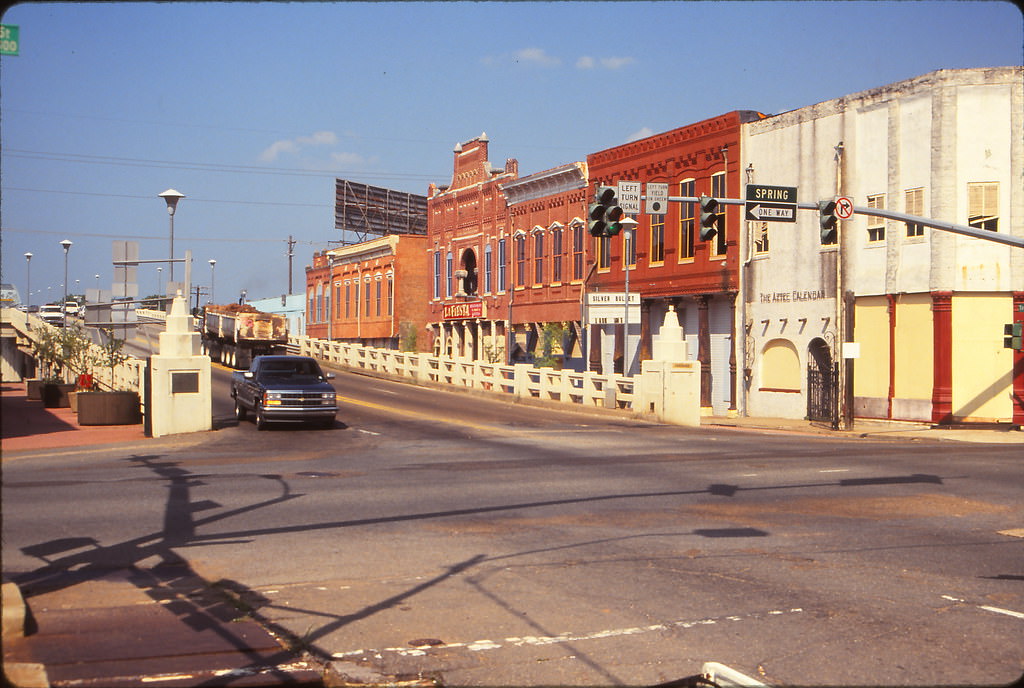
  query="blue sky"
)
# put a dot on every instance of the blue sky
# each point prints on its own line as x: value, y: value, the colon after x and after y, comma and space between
x: 252, y: 110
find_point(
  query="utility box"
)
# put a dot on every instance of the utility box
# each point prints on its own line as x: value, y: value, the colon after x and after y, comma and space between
x: 670, y: 391
x: 181, y: 399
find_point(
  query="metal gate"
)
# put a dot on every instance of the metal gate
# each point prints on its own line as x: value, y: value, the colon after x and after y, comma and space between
x: 821, y: 393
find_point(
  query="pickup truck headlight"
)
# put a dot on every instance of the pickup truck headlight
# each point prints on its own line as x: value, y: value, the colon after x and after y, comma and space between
x: 272, y: 399
x: 327, y: 398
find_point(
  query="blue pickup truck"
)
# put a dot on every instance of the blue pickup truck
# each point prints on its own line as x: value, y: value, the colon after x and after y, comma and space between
x: 289, y: 389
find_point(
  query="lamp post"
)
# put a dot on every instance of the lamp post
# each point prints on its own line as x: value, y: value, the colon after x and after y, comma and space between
x: 160, y: 290
x: 64, y: 305
x: 28, y: 282
x: 212, y: 275
x: 172, y: 197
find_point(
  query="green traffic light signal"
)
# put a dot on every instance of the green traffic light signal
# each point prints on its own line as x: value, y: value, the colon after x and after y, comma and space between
x: 827, y: 220
x: 604, y: 214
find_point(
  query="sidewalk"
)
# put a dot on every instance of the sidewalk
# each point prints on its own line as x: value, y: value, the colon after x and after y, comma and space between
x: 26, y: 425
x: 877, y: 429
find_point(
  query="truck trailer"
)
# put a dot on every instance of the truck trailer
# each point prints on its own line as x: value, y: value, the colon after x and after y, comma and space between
x: 235, y: 334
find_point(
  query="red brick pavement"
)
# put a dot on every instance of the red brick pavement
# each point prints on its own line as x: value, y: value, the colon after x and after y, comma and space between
x: 25, y: 424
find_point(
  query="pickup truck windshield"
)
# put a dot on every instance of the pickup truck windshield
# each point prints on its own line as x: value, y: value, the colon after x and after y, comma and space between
x: 290, y: 369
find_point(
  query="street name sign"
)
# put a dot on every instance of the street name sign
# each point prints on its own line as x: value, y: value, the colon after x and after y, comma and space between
x: 770, y: 203
x: 629, y: 196
x: 657, y: 198
x: 8, y: 39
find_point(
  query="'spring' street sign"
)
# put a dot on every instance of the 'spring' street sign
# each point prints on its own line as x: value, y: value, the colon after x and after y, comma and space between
x: 770, y: 203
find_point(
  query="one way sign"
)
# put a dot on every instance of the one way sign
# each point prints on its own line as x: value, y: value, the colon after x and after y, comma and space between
x: 769, y: 212
x: 770, y: 203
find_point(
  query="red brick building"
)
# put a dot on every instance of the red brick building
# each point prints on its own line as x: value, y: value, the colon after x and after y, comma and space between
x: 508, y: 260
x: 668, y: 263
x: 548, y: 264
x: 468, y: 241
x: 370, y: 293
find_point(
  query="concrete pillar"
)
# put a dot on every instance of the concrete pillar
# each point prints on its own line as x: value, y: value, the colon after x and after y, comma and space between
x: 180, y: 391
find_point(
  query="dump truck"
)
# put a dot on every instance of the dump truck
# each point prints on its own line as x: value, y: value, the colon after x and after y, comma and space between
x: 235, y: 334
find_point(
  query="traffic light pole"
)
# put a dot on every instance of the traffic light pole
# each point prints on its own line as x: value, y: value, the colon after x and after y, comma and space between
x: 965, y: 230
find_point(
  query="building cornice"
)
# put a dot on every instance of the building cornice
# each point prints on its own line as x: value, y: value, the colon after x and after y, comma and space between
x: 569, y: 177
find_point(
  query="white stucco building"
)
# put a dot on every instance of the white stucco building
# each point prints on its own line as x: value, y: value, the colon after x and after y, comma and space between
x: 926, y: 307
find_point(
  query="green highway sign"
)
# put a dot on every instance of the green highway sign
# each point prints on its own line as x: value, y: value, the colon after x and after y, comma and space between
x: 8, y: 39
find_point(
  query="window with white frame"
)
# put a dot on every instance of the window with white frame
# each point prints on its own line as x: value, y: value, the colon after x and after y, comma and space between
x: 556, y: 255
x: 577, y: 251
x: 538, y: 257
x: 520, y: 248
x: 502, y: 265
x: 448, y: 274
x: 437, y: 274
x: 488, y: 268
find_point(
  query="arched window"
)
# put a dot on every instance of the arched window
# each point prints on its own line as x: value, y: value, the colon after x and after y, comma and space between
x: 780, y: 367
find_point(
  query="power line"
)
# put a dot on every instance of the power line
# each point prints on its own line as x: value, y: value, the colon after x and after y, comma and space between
x: 206, y: 167
x: 155, y: 238
x: 191, y: 199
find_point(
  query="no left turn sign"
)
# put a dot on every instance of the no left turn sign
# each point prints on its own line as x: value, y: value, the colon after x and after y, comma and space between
x: 844, y: 208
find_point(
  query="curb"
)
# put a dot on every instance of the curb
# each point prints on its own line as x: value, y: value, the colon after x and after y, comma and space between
x: 15, y: 614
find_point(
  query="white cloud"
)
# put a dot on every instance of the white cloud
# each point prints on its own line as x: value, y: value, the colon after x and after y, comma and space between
x: 348, y: 160
x: 641, y: 134
x: 536, y: 56
x: 616, y: 62
x: 613, y: 63
x: 292, y: 146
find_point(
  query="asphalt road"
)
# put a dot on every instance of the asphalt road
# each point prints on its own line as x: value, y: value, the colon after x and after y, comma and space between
x: 488, y: 543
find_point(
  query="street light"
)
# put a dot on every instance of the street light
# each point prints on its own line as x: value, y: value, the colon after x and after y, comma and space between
x: 28, y: 281
x: 212, y: 264
x: 64, y: 306
x: 171, y: 197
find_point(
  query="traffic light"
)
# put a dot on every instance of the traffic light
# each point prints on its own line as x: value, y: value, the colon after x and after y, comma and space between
x: 827, y: 219
x: 708, y: 217
x: 1013, y: 336
x: 605, y: 213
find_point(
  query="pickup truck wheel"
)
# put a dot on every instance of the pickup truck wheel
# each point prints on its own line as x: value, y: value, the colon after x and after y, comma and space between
x: 240, y: 412
x: 261, y: 420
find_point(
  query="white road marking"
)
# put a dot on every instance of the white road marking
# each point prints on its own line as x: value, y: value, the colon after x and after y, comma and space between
x: 520, y: 641
x: 835, y: 470
x: 997, y: 610
x: 987, y: 608
x: 368, y: 432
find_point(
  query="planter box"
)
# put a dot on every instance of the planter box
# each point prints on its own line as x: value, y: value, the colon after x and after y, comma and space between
x: 55, y: 395
x: 109, y: 408
x: 34, y: 388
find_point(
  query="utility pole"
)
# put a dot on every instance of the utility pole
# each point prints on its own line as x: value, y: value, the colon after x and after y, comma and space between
x: 291, y: 254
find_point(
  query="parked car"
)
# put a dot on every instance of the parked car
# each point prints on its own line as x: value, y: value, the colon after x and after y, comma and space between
x: 52, y: 313
x: 284, y: 388
x: 72, y: 309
